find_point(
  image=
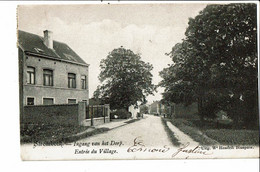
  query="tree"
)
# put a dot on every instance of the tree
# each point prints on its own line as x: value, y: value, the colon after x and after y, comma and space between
x: 178, y: 77
x: 216, y: 63
x: 125, y: 78
x: 144, y: 109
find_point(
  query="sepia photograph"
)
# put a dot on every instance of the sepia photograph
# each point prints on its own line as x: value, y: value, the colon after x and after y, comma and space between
x: 138, y: 81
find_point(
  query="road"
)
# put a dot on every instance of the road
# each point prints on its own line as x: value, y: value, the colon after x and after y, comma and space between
x: 149, y: 130
x: 151, y: 142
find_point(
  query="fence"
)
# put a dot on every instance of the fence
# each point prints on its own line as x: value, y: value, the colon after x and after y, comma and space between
x: 97, y: 113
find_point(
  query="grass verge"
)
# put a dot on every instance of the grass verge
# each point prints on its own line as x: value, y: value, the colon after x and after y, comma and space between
x: 188, y: 128
x: 170, y: 134
x: 55, y: 134
x: 208, y: 133
x: 234, y: 137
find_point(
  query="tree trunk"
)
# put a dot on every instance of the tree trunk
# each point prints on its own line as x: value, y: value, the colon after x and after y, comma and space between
x: 200, y: 108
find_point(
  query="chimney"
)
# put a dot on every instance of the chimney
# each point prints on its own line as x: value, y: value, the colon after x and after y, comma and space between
x: 48, y: 41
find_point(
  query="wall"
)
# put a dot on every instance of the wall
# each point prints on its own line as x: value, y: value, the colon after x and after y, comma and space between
x: 66, y: 114
x: 59, y: 91
x: 62, y: 114
x: 96, y: 121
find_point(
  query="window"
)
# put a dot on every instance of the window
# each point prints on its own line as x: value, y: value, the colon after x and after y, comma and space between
x: 47, y: 77
x: 30, y: 75
x: 72, y: 80
x: 48, y: 101
x: 86, y: 102
x: 30, y: 101
x: 72, y: 101
x: 83, y: 82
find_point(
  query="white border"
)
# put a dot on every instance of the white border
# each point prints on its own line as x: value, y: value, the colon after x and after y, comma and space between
x: 123, y: 2
x: 10, y: 147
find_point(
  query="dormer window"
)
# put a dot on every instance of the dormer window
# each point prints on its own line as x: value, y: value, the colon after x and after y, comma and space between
x: 69, y: 57
x: 38, y: 50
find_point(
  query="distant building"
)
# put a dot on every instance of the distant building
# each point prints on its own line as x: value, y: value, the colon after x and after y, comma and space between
x: 155, y: 108
x: 134, y: 110
x: 174, y: 110
x: 50, y: 72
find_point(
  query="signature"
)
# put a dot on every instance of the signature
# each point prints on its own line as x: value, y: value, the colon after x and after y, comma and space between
x: 139, y: 146
x: 187, y: 150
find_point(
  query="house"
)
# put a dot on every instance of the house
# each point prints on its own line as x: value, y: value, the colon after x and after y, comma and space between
x: 134, y: 110
x: 155, y: 108
x: 50, y: 72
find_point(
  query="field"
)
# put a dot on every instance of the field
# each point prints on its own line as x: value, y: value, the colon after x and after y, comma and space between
x: 210, y: 133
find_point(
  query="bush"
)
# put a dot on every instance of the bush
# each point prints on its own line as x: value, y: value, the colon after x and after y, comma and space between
x: 120, y: 114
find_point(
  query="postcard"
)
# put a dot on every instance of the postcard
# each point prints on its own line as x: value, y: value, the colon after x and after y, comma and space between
x: 138, y: 81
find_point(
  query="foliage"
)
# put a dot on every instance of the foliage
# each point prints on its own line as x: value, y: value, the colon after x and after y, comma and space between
x: 126, y: 79
x: 120, y: 114
x: 144, y: 109
x: 216, y: 64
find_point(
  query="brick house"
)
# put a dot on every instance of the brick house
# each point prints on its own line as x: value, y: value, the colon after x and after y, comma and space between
x: 50, y: 72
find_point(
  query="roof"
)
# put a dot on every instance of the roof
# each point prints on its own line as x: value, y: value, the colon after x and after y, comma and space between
x: 32, y: 43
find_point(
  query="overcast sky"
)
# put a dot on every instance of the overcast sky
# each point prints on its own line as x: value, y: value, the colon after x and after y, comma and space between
x: 93, y: 31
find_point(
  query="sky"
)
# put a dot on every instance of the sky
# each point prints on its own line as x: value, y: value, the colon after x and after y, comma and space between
x: 93, y: 31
